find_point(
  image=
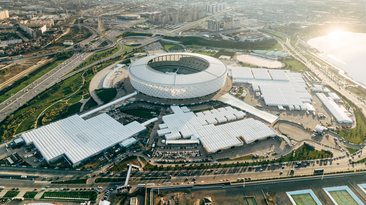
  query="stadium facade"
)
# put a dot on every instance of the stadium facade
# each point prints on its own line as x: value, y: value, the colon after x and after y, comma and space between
x: 178, y: 75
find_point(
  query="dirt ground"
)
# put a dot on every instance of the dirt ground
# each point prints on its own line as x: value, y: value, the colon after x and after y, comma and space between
x: 11, y: 70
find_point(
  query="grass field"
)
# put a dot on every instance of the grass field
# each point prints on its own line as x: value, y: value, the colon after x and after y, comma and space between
x: 123, y: 164
x: 351, y: 151
x: 103, y: 44
x: 303, y: 199
x: 129, y: 33
x: 11, y: 194
x: 170, y: 46
x: 103, y: 180
x: 75, y: 99
x: 225, y: 53
x: 205, y: 53
x: 277, y: 46
x: 141, y: 112
x: 359, y: 91
x: 59, y: 111
x: 342, y: 197
x: 294, y: 65
x: 246, y: 157
x: 91, y: 195
x: 106, y: 95
x: 91, y: 103
x: 200, y: 41
x: 127, y: 48
x: 76, y: 181
x: 30, y: 194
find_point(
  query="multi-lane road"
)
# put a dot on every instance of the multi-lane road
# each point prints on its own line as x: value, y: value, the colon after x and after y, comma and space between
x: 47, y: 80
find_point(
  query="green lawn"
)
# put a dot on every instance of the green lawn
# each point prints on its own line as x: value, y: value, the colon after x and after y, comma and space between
x: 76, y: 181
x: 294, y: 65
x: 103, y: 180
x: 11, y: 194
x: 103, y: 44
x: 30, y: 194
x: 91, y: 195
x: 205, y: 53
x: 91, y: 103
x: 170, y: 46
x: 128, y: 33
x: 127, y: 48
x: 225, y: 53
x: 351, y: 151
x: 277, y: 46
x: 200, y: 41
x: 123, y: 164
x: 75, y: 99
x: 106, y: 95
x: 141, y: 112
x: 246, y: 157
x: 241, y: 89
x: 359, y: 91
x: 358, y: 134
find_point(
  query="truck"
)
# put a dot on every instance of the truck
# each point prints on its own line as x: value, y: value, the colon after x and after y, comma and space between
x: 23, y: 176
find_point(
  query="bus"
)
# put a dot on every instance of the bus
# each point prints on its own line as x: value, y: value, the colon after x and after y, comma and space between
x: 318, y: 171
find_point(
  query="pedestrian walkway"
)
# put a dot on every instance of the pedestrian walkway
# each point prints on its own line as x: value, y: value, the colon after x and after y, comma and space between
x: 39, y: 195
x: 3, y: 192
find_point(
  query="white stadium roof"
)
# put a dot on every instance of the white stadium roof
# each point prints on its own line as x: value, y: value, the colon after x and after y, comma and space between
x: 79, y: 139
x: 215, y: 137
x: 177, y: 75
x: 142, y: 71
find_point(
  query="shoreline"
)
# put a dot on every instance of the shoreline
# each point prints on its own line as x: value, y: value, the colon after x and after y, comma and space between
x: 341, y: 72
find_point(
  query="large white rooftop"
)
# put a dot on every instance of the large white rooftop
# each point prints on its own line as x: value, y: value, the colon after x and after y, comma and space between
x: 337, y: 111
x: 203, y: 125
x: 277, y: 87
x: 78, y: 139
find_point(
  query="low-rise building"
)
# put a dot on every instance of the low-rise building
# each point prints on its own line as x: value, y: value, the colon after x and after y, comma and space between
x: 4, y: 14
x: 207, y: 201
x: 133, y: 201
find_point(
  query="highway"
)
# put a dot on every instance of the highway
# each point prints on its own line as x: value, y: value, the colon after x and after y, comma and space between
x: 49, y: 79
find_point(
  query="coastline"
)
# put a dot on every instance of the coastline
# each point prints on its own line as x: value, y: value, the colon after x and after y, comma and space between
x: 340, y: 71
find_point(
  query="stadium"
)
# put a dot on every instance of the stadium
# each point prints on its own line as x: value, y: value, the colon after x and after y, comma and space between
x: 178, y: 75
